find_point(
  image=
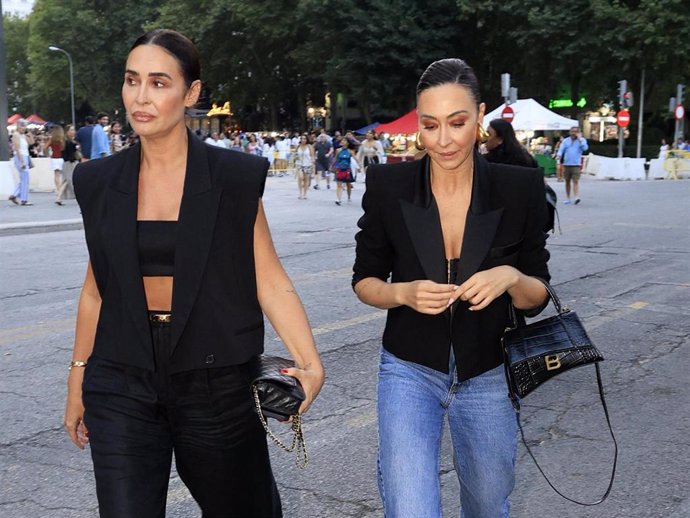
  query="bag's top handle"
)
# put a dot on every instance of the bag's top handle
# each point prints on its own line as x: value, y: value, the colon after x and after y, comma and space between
x: 552, y: 295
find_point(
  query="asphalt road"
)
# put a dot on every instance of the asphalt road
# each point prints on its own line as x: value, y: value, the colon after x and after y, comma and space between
x: 621, y: 262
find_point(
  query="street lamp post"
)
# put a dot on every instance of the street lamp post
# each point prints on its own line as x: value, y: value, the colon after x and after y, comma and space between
x: 71, y: 78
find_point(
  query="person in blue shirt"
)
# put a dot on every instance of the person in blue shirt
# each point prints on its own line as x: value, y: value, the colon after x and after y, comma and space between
x: 570, y: 155
x: 100, y: 145
x: 84, y: 138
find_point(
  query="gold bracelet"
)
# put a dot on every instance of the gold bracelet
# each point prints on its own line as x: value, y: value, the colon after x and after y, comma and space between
x: 76, y: 364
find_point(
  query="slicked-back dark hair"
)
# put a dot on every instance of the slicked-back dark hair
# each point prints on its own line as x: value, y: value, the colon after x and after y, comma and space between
x: 178, y: 46
x: 447, y: 71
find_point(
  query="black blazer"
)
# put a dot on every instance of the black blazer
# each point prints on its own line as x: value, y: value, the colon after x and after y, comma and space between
x: 401, y: 236
x: 216, y: 317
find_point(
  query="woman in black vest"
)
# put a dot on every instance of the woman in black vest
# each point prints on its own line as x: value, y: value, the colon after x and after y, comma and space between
x: 460, y: 239
x: 182, y: 268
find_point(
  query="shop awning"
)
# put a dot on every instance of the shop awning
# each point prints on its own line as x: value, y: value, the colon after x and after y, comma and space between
x: 372, y: 126
x: 529, y: 115
x: 406, y: 124
x: 34, y: 118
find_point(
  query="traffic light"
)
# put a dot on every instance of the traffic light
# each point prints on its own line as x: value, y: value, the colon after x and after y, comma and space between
x: 628, y: 100
x: 622, y: 90
x: 505, y: 85
x: 513, y: 96
x: 680, y: 92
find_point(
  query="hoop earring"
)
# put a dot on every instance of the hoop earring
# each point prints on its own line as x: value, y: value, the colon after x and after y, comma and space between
x: 482, y: 134
x: 418, y: 143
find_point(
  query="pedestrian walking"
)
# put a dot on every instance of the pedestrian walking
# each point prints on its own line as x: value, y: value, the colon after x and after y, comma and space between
x: 503, y: 147
x: 324, y: 152
x: 441, y: 355
x: 157, y: 370
x: 100, y: 144
x: 304, y: 165
x: 21, y: 140
x: 343, y: 171
x: 117, y: 143
x: 53, y: 147
x: 253, y: 147
x: 84, y: 138
x: 71, y: 156
x: 269, y: 153
x: 570, y: 155
x: 283, y: 151
x: 370, y: 151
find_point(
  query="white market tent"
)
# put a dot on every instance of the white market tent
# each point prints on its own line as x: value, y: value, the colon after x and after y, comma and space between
x: 532, y: 116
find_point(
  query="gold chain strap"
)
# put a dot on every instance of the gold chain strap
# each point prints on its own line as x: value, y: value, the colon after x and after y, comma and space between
x: 298, y: 444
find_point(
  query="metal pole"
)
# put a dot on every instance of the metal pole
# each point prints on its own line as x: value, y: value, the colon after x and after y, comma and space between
x: 71, y: 89
x: 621, y: 141
x: 4, y: 145
x: 71, y: 78
x: 640, y: 117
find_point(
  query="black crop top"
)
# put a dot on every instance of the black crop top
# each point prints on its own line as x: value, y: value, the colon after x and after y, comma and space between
x: 156, y: 241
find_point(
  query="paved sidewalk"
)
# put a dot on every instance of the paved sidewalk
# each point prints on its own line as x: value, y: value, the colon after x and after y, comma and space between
x: 43, y: 216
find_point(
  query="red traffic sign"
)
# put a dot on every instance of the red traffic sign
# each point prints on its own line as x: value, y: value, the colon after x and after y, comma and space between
x: 679, y: 112
x: 508, y: 114
x: 623, y: 118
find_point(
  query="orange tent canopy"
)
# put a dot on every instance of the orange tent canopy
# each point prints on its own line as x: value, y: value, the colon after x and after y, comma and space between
x: 14, y: 118
x: 406, y: 124
x: 35, y: 119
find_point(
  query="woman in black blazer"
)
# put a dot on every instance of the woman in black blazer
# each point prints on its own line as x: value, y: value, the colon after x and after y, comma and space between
x: 460, y: 240
x: 182, y: 268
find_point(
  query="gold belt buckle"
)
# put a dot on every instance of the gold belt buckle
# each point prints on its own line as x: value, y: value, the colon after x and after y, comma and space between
x: 160, y: 317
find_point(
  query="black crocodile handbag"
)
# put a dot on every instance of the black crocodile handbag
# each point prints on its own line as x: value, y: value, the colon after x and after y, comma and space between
x: 279, y: 396
x: 539, y: 351
x: 536, y: 352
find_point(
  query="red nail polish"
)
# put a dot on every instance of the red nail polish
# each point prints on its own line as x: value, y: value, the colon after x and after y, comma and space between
x: 283, y: 371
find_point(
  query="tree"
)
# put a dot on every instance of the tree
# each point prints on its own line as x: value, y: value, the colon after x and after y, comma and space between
x: 16, y: 33
x: 97, y: 35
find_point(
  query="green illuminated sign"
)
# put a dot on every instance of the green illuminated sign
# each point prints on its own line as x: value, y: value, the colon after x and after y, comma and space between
x: 567, y: 103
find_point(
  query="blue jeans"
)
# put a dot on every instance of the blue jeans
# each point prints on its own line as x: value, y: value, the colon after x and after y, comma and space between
x: 413, y: 401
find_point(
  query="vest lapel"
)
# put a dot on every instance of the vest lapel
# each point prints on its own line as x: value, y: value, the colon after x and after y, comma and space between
x: 120, y: 232
x: 195, y: 228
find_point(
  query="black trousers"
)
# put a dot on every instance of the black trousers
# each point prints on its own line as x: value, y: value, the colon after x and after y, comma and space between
x: 138, y: 418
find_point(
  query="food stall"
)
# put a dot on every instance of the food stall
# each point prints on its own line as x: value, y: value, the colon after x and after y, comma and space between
x: 401, y: 134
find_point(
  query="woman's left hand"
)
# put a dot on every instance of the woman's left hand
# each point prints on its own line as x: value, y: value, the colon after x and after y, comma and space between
x: 311, y: 378
x: 484, y: 287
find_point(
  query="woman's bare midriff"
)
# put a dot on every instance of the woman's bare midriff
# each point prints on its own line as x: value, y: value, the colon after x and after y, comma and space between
x: 158, y: 293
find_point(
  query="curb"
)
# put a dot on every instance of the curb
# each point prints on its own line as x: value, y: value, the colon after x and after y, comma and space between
x: 37, y: 227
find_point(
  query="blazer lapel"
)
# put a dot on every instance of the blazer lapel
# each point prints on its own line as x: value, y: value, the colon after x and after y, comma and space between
x: 196, y: 223
x: 424, y: 226
x: 120, y: 229
x: 481, y: 223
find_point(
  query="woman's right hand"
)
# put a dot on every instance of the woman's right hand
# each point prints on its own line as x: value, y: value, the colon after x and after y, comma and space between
x: 74, y: 410
x: 426, y: 297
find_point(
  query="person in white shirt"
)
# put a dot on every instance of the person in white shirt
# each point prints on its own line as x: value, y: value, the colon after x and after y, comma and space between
x: 213, y: 140
x: 283, y: 149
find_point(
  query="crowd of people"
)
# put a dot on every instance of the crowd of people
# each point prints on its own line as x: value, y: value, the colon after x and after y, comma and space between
x: 311, y: 156
x: 66, y: 147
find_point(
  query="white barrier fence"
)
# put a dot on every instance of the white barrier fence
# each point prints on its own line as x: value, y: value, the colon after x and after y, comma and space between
x: 607, y: 168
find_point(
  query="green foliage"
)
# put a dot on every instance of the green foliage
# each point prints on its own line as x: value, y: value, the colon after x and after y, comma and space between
x: 271, y: 58
x: 17, y: 66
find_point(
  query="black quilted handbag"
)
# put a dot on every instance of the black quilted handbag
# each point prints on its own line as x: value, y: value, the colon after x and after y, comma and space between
x: 279, y: 396
x: 536, y: 352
